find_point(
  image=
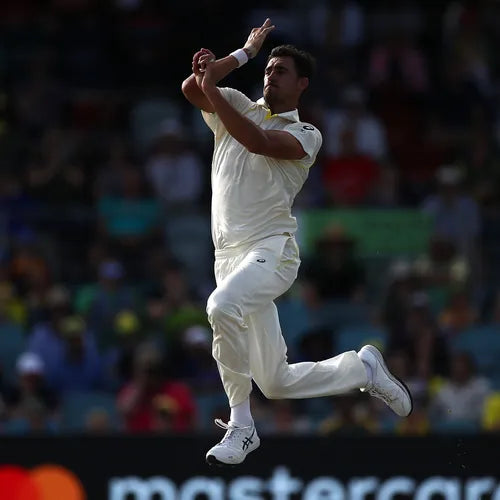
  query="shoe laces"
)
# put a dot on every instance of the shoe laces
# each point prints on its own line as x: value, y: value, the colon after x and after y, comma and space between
x: 222, y: 424
x: 230, y: 435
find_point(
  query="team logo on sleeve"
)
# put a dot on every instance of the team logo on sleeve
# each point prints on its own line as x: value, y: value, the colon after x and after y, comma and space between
x: 307, y: 127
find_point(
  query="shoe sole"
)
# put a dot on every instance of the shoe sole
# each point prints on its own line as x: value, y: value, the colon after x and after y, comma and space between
x: 395, y: 379
x: 213, y: 462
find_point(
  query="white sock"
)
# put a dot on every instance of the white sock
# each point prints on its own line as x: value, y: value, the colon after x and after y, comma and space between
x: 240, y: 414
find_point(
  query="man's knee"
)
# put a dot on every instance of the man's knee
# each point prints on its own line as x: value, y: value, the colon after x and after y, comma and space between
x: 220, y: 307
x: 272, y: 389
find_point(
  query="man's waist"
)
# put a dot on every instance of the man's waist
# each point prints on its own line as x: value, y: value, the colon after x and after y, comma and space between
x: 238, y: 249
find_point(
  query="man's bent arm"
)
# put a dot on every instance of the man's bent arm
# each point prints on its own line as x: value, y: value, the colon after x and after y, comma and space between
x: 272, y: 143
x: 193, y: 93
x: 221, y: 68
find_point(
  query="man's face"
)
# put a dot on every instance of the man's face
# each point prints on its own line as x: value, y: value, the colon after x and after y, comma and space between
x: 281, y: 81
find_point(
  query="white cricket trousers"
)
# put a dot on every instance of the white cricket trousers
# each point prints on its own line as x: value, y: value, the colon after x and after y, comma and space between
x: 247, y: 339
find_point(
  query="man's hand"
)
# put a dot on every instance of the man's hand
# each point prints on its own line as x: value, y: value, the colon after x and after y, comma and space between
x: 209, y: 81
x: 206, y: 56
x: 200, y: 60
x: 256, y: 38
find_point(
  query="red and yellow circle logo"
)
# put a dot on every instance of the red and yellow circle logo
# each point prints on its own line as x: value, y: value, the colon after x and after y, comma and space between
x: 46, y: 482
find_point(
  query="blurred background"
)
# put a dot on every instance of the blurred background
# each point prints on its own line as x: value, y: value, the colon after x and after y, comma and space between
x: 105, y: 247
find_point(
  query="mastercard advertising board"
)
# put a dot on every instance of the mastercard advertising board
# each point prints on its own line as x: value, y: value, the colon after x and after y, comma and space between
x: 451, y: 467
x: 45, y: 482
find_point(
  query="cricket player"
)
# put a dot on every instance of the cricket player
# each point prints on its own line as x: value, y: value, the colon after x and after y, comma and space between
x: 262, y: 156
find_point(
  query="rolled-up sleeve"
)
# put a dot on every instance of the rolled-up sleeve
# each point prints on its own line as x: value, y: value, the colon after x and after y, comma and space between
x: 309, y: 138
x: 239, y: 101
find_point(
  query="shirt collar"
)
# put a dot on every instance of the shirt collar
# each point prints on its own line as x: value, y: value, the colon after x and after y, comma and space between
x: 292, y: 115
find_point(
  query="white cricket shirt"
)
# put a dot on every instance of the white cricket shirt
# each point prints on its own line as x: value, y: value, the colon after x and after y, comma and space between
x: 252, y: 195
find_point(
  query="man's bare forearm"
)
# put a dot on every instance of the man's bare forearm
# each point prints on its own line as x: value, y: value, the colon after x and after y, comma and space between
x: 221, y: 68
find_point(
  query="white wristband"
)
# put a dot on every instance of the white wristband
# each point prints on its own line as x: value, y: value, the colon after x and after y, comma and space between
x: 241, y: 56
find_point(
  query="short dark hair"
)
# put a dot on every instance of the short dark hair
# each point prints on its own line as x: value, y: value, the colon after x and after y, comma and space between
x: 304, y: 62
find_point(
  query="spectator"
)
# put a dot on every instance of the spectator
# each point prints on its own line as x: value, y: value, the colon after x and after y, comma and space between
x: 315, y: 344
x: 165, y: 412
x: 195, y: 363
x: 32, y: 418
x: 351, y: 178
x: 366, y: 131
x: 399, y: 83
x: 118, y: 357
x: 29, y: 268
x: 334, y: 273
x: 12, y: 335
x: 45, y: 338
x: 12, y: 308
x: 147, y: 117
x: 465, y: 42
x: 98, y: 422
x: 138, y: 400
x: 100, y: 303
x: 417, y: 423
x: 174, y: 169
x: 80, y: 368
x: 459, y: 314
x: 443, y: 267
x: 397, y: 300
x: 284, y: 418
x: 110, y: 178
x: 422, y: 338
x: 455, y: 215
x: 349, y: 417
x: 39, y: 97
x: 56, y: 173
x: 31, y: 405
x: 491, y: 413
x: 397, y: 61
x: 171, y: 305
x: 130, y: 221
x: 462, y: 397
x: 351, y: 24
x: 31, y: 383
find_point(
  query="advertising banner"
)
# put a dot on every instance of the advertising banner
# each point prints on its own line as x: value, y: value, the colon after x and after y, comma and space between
x: 284, y: 468
x: 377, y: 232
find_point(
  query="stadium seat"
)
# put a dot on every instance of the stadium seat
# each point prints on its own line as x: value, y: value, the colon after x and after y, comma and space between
x: 355, y: 336
x: 483, y: 343
x: 12, y: 345
x: 76, y: 407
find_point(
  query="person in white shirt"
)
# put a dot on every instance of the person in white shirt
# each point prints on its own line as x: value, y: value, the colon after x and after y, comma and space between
x: 461, y: 398
x: 368, y: 131
x: 261, y: 159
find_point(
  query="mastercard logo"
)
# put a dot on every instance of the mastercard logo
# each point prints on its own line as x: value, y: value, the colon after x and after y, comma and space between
x: 46, y: 482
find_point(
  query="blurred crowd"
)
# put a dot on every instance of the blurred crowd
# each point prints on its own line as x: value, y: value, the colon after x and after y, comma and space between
x: 105, y: 252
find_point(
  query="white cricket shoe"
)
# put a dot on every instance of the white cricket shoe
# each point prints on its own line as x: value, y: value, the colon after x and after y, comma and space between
x: 385, y: 386
x: 236, y: 444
